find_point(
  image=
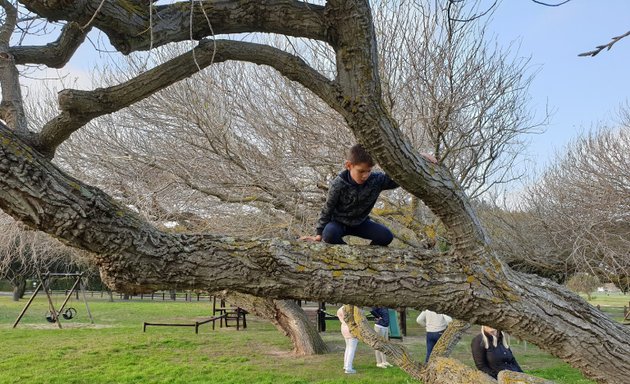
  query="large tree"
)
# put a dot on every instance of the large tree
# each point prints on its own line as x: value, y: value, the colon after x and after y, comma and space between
x: 469, y: 282
x: 273, y: 145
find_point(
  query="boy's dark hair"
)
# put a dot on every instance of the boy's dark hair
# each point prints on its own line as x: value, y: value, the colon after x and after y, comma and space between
x: 358, y: 155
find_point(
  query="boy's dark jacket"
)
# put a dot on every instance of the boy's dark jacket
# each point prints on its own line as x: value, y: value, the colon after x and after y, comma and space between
x: 350, y: 203
x: 382, y: 316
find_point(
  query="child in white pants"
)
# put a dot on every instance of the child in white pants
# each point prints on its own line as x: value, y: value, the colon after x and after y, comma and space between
x: 381, y: 327
x: 351, y: 344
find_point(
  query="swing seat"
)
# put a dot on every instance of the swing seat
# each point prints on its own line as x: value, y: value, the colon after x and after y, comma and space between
x: 69, y: 313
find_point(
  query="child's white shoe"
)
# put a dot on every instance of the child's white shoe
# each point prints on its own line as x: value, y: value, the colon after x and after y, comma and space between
x: 349, y: 371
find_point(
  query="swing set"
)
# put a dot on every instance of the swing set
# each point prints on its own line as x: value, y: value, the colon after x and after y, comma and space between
x: 54, y: 314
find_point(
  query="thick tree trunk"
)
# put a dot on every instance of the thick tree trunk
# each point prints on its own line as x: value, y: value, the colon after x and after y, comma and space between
x: 19, y: 287
x: 135, y: 256
x: 509, y: 377
x: 468, y: 283
x: 12, y: 105
x: 443, y: 370
x: 449, y: 339
x: 287, y: 317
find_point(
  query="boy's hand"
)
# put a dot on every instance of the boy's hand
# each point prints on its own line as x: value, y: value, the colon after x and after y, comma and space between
x: 429, y: 157
x: 311, y: 238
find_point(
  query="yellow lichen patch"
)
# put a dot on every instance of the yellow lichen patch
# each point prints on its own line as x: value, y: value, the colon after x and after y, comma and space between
x: 300, y: 268
x: 336, y: 259
x: 509, y: 377
x: 337, y: 273
x: 470, y: 279
x: 496, y: 264
x: 131, y: 7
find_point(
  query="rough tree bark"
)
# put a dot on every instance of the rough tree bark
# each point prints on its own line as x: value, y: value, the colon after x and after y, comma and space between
x: 135, y: 256
x: 449, y: 339
x: 287, y: 317
x: 12, y: 105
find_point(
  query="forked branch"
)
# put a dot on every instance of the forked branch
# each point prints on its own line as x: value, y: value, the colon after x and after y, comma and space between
x: 607, y: 47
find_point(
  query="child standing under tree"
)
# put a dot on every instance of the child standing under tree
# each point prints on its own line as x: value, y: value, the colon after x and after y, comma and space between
x: 351, y: 343
x: 351, y: 197
x: 381, y: 315
x: 436, y: 324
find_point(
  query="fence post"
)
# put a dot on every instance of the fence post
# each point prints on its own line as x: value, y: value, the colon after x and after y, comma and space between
x: 321, y: 317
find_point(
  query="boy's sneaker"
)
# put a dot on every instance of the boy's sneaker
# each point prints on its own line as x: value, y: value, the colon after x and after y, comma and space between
x: 381, y: 365
x: 349, y: 371
x: 387, y: 364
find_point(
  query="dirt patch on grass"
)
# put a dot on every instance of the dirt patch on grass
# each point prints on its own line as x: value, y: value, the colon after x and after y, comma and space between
x: 280, y: 353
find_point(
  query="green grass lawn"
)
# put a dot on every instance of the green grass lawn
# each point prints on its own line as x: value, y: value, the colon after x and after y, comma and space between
x: 612, y: 303
x: 115, y: 350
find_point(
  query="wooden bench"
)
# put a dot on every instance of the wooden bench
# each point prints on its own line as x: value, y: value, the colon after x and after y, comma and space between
x: 226, y: 313
x: 196, y: 324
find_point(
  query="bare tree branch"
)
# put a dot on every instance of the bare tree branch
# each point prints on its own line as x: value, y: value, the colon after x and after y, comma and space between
x: 79, y: 107
x: 126, y: 26
x: 549, y: 4
x: 470, y: 18
x: 607, y: 47
x: 56, y: 54
x: 9, y: 23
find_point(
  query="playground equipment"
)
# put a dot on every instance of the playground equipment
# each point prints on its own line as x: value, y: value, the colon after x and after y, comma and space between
x: 53, y: 314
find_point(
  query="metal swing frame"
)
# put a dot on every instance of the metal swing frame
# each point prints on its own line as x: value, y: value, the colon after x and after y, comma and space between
x: 54, y: 313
